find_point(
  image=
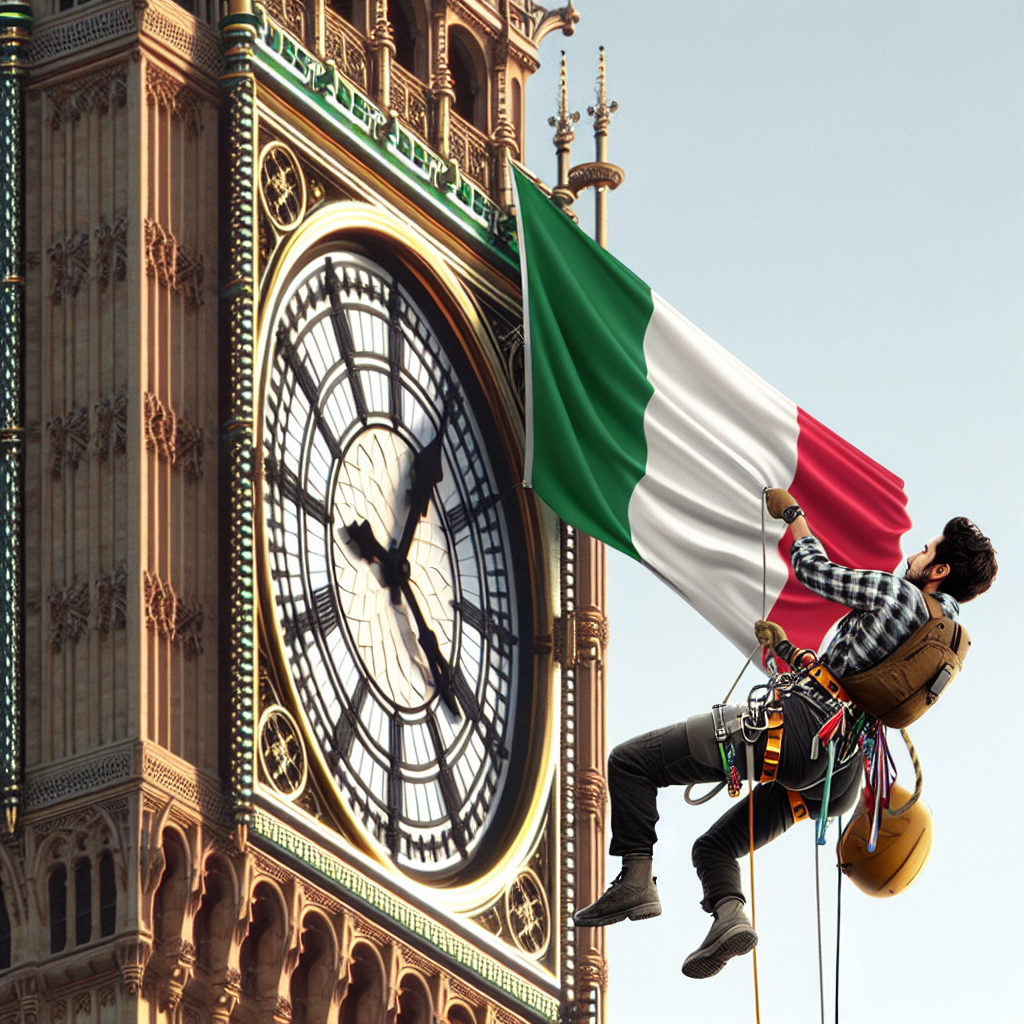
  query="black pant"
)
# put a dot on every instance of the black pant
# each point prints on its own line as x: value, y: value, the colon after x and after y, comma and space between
x: 640, y: 766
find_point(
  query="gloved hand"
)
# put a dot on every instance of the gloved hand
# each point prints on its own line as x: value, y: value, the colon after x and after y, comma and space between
x: 777, y: 499
x: 769, y: 634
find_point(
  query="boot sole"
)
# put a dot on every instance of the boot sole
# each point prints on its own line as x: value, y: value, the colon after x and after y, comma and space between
x: 706, y: 963
x: 640, y: 913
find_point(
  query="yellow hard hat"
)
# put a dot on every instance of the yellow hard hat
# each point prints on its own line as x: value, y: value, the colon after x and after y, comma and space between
x: 904, y: 844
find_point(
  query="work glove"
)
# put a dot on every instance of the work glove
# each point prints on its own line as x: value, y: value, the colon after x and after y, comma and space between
x: 769, y: 634
x: 777, y: 499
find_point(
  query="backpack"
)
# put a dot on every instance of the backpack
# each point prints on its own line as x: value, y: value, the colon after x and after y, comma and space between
x: 901, y: 687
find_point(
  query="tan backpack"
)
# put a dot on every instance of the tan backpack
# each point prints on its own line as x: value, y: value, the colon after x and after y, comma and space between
x: 901, y: 687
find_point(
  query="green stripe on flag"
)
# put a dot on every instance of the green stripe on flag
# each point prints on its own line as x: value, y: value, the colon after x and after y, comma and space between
x: 587, y: 388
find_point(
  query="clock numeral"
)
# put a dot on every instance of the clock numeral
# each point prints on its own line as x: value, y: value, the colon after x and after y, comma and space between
x: 281, y: 477
x: 320, y: 618
x: 304, y: 379
x: 458, y: 518
x: 345, y: 730
x: 396, y: 354
x: 449, y: 788
x: 488, y: 625
x: 392, y: 832
x: 469, y: 704
x: 343, y: 335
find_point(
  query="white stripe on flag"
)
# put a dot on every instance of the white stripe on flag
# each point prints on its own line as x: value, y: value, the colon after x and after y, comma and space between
x: 716, y: 435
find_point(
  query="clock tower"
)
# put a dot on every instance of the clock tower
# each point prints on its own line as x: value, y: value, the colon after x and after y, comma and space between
x: 302, y: 707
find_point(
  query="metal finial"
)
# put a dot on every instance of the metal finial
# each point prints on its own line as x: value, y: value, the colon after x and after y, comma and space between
x: 563, y: 124
x: 602, y: 111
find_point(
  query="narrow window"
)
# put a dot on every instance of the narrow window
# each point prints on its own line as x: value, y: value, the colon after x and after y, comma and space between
x: 58, y: 909
x: 5, y: 935
x: 83, y: 902
x: 108, y: 895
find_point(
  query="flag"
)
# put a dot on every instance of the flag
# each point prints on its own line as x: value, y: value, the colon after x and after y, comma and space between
x: 648, y: 435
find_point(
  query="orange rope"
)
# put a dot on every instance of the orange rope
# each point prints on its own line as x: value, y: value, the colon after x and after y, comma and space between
x: 753, y: 909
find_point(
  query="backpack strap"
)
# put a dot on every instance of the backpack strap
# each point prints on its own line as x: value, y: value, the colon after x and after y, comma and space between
x: 934, y: 608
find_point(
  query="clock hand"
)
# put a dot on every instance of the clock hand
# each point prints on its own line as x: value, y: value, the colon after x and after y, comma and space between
x: 396, y: 569
x: 439, y: 667
x: 427, y: 473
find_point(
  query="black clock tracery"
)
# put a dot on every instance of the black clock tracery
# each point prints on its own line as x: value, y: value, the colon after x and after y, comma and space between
x: 389, y: 561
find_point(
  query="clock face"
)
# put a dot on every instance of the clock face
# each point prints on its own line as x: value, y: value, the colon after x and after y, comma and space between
x: 389, y: 560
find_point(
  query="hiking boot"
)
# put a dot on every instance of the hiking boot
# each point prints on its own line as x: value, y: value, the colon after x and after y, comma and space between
x: 730, y: 935
x: 633, y: 894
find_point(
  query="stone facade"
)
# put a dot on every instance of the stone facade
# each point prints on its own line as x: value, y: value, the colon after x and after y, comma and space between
x: 147, y: 873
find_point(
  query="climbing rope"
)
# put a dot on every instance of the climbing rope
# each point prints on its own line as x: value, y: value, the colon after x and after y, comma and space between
x: 839, y: 910
x: 918, y: 777
x: 750, y: 833
x: 821, y: 956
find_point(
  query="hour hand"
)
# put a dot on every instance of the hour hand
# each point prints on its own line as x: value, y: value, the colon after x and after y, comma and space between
x: 361, y: 534
x: 427, y: 473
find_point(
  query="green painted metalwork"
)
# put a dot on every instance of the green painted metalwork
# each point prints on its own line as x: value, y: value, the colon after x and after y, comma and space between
x: 15, y: 27
x: 239, y: 295
x: 406, y: 917
x: 382, y: 141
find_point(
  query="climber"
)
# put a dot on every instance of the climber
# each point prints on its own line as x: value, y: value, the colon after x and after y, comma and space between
x: 887, y: 611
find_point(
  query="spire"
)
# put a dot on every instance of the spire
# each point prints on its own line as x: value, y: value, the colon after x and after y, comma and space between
x: 599, y: 175
x: 602, y: 111
x: 564, y: 134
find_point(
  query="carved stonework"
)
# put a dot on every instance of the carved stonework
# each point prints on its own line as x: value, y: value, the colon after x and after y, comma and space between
x: 591, y: 636
x: 174, y: 265
x: 69, y: 440
x: 107, y: 996
x: 591, y: 794
x: 111, y: 426
x: 112, y: 250
x: 592, y: 971
x: 99, y: 91
x: 173, y: 618
x: 172, y: 438
x: 181, y: 101
x: 69, y: 615
x: 132, y: 957
x: 112, y: 601
x: 69, y: 266
x: 83, y: 1003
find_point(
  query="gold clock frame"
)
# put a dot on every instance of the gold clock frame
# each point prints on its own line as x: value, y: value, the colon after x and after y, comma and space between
x: 369, y: 226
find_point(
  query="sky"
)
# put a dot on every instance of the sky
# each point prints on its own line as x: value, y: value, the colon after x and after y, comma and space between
x: 835, y: 193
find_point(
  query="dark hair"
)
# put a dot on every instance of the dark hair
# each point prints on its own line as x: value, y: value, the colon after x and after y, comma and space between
x: 970, y: 557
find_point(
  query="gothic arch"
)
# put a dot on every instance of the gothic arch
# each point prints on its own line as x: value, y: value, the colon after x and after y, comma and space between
x: 459, y: 1013
x: 410, y: 27
x: 365, y: 1001
x: 262, y: 956
x: 468, y: 67
x: 414, y: 1003
x: 171, y: 897
x: 214, y: 925
x: 313, y: 982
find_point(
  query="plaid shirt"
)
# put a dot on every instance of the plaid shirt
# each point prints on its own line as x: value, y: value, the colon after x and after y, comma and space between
x: 885, y: 608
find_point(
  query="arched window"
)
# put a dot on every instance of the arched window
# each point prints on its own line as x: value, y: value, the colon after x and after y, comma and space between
x: 403, y: 27
x: 58, y: 886
x: 313, y: 979
x: 215, y: 920
x: 459, y: 1015
x: 470, y: 92
x: 262, y: 952
x: 83, y: 901
x: 108, y: 895
x: 364, y: 1000
x: 5, y: 935
x: 413, y: 1002
x: 169, y: 901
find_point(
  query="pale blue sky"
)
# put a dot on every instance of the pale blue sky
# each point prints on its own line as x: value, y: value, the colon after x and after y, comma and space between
x: 834, y: 192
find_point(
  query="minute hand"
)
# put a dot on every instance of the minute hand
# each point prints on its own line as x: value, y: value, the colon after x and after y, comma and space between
x: 427, y: 473
x: 439, y: 667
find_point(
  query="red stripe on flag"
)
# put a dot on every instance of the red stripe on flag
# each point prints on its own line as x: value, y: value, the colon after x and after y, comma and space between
x: 854, y: 506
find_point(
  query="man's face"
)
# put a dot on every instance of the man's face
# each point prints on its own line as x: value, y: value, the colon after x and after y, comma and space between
x: 919, y: 565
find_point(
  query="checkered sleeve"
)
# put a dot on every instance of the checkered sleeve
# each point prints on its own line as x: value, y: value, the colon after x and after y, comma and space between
x: 863, y: 589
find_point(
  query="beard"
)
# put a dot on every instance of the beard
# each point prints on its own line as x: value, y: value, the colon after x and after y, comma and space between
x: 919, y: 577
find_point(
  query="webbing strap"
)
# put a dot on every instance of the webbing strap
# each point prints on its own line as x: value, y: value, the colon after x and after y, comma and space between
x: 828, y: 682
x: 773, y: 749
